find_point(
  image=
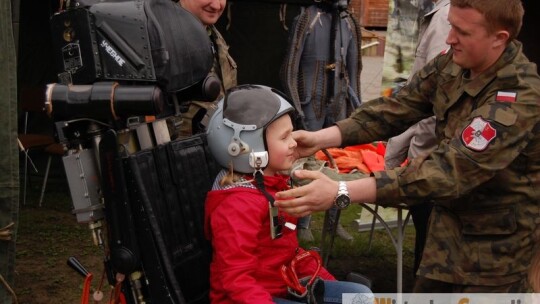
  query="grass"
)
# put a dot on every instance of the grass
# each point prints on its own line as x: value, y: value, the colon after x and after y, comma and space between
x: 49, y: 235
x: 378, y: 262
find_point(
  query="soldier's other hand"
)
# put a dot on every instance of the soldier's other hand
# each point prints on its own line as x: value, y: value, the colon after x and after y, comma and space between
x: 306, y: 143
x: 318, y: 195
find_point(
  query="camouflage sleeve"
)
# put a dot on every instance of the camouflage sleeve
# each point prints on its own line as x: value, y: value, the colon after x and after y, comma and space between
x: 378, y: 119
x: 498, y: 139
x: 384, y: 117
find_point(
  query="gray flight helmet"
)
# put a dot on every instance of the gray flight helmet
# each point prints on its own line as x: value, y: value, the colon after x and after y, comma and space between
x: 237, y: 128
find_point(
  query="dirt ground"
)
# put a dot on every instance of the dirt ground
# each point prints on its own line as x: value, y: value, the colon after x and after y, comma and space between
x: 49, y: 235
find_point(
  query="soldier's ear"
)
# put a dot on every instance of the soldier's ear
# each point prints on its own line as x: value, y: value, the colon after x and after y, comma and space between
x: 501, y: 38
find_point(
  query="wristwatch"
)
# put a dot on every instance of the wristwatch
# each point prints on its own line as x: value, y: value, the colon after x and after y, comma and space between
x: 342, y: 199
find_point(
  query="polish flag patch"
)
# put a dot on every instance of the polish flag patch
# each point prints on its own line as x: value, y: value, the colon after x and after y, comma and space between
x: 506, y: 96
x: 478, y: 134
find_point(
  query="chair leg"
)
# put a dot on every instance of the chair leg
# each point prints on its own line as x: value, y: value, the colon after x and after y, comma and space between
x: 329, y: 235
x: 25, y: 177
x: 27, y: 160
x: 372, y: 227
x: 45, y: 179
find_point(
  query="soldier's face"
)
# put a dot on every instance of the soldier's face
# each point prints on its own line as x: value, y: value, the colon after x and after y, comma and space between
x: 474, y: 47
x: 208, y: 11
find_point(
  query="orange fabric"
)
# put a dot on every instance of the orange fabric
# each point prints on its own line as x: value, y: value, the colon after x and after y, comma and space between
x: 366, y: 158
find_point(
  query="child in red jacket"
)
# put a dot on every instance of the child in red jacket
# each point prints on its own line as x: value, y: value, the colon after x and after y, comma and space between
x: 256, y: 256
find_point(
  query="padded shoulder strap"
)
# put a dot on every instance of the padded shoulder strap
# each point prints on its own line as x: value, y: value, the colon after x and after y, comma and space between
x: 291, y: 64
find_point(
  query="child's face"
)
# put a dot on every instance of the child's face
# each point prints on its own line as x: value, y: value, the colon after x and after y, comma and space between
x: 281, y: 145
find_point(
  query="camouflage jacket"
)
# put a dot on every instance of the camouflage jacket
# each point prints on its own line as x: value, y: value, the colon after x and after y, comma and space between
x: 224, y: 65
x: 483, y: 176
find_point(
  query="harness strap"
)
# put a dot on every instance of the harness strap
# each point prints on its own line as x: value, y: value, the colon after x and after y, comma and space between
x: 86, y: 288
x: 117, y: 297
x: 283, y: 16
x: 290, y: 276
x: 335, y: 27
x: 259, y: 183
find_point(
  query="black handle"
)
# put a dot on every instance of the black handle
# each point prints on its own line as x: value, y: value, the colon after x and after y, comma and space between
x: 77, y: 266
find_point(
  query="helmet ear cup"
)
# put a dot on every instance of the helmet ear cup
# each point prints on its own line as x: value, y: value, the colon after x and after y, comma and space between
x: 236, y: 130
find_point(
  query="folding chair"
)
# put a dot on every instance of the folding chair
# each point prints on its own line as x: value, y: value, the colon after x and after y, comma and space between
x: 32, y: 100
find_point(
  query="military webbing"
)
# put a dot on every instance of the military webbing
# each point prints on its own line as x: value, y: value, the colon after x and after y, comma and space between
x: 289, y: 74
x: 198, y: 112
x: 332, y: 66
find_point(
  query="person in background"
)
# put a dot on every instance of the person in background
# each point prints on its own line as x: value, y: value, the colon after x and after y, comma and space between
x: 483, y: 174
x: 256, y: 256
x: 420, y: 139
x: 195, y: 116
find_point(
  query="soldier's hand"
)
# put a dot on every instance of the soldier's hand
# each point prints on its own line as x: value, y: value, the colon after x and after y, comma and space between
x: 318, y: 195
x: 306, y: 143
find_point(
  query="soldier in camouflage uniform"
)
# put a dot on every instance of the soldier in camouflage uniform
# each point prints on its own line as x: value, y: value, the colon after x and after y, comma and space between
x: 198, y: 112
x: 483, y: 177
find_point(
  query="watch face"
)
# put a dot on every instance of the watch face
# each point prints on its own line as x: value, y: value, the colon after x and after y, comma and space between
x: 343, y: 201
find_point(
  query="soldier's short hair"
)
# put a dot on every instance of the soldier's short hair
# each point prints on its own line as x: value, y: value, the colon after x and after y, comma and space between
x: 499, y: 14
